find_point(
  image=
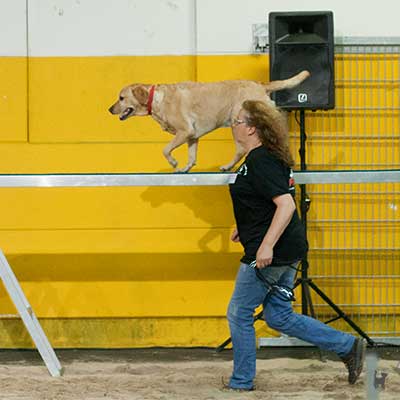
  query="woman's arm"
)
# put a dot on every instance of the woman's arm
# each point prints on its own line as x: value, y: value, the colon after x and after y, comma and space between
x: 285, y: 207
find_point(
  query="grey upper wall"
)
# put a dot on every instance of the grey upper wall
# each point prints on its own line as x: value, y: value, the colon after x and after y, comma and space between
x: 153, y: 27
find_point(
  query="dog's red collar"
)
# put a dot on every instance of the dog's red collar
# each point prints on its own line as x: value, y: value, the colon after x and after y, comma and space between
x: 150, y: 99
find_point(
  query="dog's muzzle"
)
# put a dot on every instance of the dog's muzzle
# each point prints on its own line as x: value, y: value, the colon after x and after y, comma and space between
x: 127, y: 112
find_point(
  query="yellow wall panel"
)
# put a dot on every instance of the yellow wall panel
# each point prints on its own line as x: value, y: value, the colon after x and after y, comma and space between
x: 344, y: 265
x: 13, y: 99
x: 87, y: 299
x: 104, y: 158
x: 120, y: 332
x: 117, y: 241
x: 217, y: 68
x: 115, y: 208
x: 357, y: 235
x: 341, y: 154
x: 70, y: 96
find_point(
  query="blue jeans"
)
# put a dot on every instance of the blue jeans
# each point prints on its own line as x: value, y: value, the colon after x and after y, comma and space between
x: 249, y: 293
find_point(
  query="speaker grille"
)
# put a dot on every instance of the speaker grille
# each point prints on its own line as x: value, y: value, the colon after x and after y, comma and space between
x: 313, y: 92
x: 303, y: 41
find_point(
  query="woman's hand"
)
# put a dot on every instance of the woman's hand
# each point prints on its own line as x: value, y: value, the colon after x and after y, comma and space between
x: 235, y: 236
x: 264, y: 255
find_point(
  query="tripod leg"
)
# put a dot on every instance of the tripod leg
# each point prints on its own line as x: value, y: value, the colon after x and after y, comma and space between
x: 308, y: 300
x: 307, y: 304
x: 229, y: 340
x: 306, y: 296
x: 297, y: 283
x: 341, y: 313
x: 223, y: 345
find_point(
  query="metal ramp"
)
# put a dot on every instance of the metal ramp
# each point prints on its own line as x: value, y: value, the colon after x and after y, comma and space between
x: 28, y: 317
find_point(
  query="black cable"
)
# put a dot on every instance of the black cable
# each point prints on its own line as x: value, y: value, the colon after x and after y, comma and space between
x: 285, y: 293
x: 290, y: 265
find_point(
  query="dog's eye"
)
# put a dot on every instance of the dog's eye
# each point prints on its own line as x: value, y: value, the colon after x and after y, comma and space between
x: 121, y: 98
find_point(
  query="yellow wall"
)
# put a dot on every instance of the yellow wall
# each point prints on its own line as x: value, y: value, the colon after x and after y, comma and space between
x: 13, y: 99
x: 122, y: 267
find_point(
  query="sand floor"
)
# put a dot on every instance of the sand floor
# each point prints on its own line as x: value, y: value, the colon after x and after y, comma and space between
x: 183, y: 374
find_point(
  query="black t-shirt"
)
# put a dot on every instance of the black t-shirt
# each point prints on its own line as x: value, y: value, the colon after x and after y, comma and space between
x: 260, y: 178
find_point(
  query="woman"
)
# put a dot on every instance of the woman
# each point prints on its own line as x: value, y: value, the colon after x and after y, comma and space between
x: 274, y: 242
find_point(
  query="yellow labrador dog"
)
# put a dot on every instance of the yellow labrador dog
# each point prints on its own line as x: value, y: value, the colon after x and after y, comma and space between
x: 189, y: 110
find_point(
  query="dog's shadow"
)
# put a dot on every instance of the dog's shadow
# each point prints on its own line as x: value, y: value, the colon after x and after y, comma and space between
x: 210, y: 204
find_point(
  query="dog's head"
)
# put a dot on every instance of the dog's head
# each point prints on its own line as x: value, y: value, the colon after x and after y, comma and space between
x: 132, y: 101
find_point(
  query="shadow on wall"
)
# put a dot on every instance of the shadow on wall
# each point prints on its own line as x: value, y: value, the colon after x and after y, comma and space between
x: 209, y: 204
x: 124, y: 267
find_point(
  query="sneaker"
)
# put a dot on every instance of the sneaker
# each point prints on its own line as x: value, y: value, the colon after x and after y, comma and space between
x: 226, y: 387
x: 354, y: 361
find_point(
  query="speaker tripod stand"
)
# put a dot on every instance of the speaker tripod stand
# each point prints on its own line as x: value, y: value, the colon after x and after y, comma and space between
x: 304, y: 280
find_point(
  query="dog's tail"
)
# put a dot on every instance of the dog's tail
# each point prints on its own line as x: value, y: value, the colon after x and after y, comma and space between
x: 287, y: 83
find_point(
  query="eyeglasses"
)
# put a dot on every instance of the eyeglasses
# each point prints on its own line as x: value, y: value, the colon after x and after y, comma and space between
x: 237, y: 121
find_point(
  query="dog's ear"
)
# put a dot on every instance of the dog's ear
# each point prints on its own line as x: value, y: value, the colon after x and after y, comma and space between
x: 141, y: 94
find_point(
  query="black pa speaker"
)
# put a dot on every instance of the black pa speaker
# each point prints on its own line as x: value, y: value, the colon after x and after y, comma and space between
x: 303, y: 41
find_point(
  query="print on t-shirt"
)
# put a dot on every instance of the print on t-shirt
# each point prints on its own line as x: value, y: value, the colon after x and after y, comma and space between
x: 292, y: 189
x: 242, y: 169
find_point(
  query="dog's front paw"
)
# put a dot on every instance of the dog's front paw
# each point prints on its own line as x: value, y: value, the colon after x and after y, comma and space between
x: 181, y: 170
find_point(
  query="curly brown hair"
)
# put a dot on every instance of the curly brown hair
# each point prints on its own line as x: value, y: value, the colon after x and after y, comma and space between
x: 271, y: 127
